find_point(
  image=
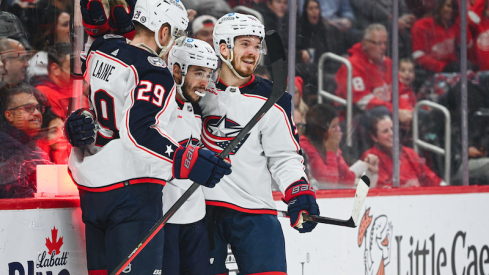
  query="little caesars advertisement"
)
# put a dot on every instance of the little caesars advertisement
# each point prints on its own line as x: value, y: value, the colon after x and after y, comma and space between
x: 42, y: 242
x: 408, y: 235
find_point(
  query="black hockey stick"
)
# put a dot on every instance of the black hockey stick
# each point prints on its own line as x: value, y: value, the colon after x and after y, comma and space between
x: 360, y: 195
x: 279, y: 75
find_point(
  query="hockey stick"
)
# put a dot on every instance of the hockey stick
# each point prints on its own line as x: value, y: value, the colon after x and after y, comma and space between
x: 279, y: 76
x: 360, y: 195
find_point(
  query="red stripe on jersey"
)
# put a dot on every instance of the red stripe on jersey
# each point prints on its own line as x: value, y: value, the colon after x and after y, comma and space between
x: 241, y: 209
x: 97, y: 272
x: 285, y: 116
x: 244, y: 85
x: 121, y: 184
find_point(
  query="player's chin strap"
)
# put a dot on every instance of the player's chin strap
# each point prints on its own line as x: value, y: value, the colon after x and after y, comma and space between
x: 228, y: 62
x: 163, y: 49
x: 180, y: 91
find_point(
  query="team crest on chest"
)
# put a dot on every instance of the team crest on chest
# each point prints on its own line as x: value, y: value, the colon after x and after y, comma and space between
x: 218, y: 132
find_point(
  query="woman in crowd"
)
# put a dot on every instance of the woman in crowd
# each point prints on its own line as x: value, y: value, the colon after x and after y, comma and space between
x: 52, y: 140
x: 413, y: 170
x: 435, y: 38
x: 317, y: 35
x: 321, y: 142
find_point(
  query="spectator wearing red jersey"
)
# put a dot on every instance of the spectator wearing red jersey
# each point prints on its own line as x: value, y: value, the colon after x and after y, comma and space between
x: 321, y: 142
x: 56, y: 86
x: 478, y: 18
x: 435, y: 38
x: 372, y: 75
x: 413, y: 170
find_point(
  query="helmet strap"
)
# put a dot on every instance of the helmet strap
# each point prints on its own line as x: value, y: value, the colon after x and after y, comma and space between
x: 163, y: 49
x: 228, y: 62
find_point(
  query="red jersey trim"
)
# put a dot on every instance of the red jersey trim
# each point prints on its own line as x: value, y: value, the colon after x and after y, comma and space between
x: 244, y: 85
x: 117, y: 185
x: 240, y: 209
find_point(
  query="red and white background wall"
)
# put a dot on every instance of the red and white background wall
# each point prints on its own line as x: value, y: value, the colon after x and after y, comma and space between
x: 404, y: 231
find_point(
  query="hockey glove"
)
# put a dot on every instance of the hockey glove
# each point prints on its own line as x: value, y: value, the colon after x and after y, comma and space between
x: 79, y: 127
x: 121, y: 17
x: 301, y: 198
x: 200, y: 165
x: 94, y: 17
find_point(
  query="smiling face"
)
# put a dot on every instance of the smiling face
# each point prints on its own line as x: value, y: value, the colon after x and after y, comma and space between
x: 246, y: 54
x: 384, y: 133
x: 17, y: 116
x: 406, y: 73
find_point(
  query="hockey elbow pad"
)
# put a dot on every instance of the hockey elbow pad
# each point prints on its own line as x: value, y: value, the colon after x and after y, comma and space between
x: 301, y: 198
x: 79, y: 127
x: 94, y: 17
x: 200, y: 165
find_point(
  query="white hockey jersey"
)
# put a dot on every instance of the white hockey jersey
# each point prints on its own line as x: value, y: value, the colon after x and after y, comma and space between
x: 133, y: 96
x: 188, y: 128
x: 270, y: 151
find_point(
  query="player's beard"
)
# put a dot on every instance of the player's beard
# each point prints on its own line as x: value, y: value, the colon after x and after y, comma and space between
x: 244, y: 72
x: 189, y: 94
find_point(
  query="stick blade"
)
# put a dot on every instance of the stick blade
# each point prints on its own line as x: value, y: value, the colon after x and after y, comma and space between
x: 360, y: 195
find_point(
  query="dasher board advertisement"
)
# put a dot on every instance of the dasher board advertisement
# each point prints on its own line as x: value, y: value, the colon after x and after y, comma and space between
x: 42, y: 242
x: 401, y: 234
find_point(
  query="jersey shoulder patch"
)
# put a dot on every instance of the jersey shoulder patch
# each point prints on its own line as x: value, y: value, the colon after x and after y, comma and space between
x: 157, y: 61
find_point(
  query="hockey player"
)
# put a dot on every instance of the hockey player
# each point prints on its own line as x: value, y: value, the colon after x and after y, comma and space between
x: 121, y: 174
x: 241, y: 210
x: 186, y: 240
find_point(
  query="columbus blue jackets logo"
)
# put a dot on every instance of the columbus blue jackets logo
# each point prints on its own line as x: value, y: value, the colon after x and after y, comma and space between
x: 218, y: 132
x: 156, y: 61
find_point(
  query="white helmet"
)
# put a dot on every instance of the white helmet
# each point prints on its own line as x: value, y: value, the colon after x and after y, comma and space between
x: 154, y: 13
x: 192, y: 52
x: 232, y: 25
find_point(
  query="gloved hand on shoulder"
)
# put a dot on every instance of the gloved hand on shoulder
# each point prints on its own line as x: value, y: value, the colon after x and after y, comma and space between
x: 200, y: 165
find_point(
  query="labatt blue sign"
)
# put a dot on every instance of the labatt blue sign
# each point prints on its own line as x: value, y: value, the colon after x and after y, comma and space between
x: 47, y: 261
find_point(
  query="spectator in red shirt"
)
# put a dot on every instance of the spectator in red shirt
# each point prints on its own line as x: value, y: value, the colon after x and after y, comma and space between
x: 478, y: 18
x: 413, y: 170
x: 434, y: 39
x: 56, y: 86
x: 372, y: 75
x: 321, y: 142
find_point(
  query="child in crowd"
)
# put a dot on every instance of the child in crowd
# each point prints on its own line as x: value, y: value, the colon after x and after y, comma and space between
x: 406, y: 79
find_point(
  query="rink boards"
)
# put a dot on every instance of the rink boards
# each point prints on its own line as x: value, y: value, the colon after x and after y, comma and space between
x: 402, y: 231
